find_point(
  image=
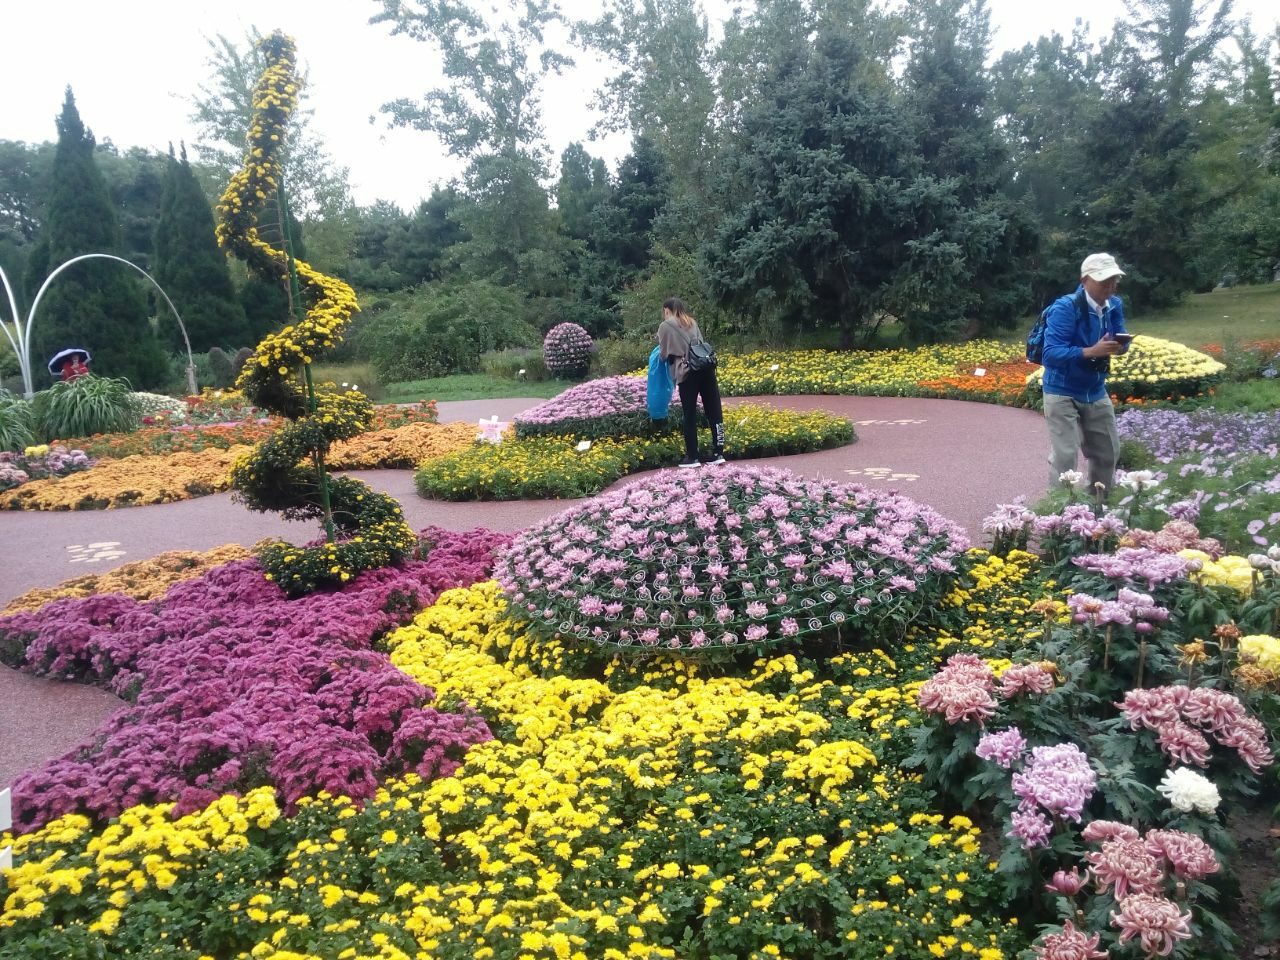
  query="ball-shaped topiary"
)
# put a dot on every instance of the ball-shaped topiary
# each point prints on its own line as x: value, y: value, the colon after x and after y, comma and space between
x: 567, y: 351
x: 688, y: 560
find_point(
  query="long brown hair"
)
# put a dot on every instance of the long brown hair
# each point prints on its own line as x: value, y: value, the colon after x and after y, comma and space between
x: 676, y: 306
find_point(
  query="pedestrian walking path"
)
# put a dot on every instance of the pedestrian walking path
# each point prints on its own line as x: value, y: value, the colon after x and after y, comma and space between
x: 960, y: 458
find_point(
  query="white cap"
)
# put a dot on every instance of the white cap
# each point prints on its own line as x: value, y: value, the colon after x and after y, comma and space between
x: 1100, y: 267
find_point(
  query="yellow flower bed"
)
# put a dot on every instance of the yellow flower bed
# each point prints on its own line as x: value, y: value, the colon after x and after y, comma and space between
x: 869, y: 372
x: 142, y: 580
x: 552, y: 467
x: 132, y: 481
x: 1155, y: 368
x: 402, y: 447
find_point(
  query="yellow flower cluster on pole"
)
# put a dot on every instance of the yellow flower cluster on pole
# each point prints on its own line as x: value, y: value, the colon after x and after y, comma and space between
x: 271, y: 478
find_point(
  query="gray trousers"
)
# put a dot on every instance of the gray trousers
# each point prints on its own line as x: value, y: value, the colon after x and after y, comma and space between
x: 1090, y: 427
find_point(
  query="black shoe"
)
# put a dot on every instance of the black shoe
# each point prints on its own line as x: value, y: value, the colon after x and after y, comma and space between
x: 690, y: 462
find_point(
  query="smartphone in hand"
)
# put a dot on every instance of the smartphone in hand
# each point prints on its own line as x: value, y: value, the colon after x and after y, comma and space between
x: 1123, y: 337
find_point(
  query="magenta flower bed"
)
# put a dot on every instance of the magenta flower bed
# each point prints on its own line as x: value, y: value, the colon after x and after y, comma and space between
x: 234, y: 686
x: 608, y: 407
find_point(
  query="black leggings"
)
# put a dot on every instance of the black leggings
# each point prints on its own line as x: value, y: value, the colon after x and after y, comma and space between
x: 703, y: 383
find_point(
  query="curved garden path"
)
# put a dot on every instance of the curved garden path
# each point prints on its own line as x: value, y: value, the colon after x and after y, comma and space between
x: 960, y: 458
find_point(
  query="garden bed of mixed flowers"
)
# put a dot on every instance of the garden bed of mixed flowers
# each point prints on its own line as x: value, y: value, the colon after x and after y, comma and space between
x: 595, y: 433
x: 919, y: 750
x: 179, y: 459
x: 985, y: 370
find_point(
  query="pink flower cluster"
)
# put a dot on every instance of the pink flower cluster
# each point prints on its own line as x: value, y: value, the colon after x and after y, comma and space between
x: 1004, y: 748
x: 1173, y: 537
x: 1078, y: 520
x: 602, y: 401
x: 1058, y: 781
x: 1135, y: 869
x: 1129, y: 608
x: 963, y: 690
x: 1180, y: 717
x: 1138, y: 565
x: 1070, y: 944
x: 231, y: 686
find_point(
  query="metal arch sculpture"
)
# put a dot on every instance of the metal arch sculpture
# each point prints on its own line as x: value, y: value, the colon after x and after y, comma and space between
x: 20, y: 338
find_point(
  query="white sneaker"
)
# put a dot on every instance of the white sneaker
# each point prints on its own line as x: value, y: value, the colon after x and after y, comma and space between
x: 687, y: 464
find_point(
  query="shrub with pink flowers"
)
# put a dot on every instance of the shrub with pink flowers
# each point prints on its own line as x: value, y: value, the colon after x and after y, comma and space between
x: 567, y: 351
x: 697, y: 560
x: 1137, y: 887
x: 607, y: 407
x: 229, y: 686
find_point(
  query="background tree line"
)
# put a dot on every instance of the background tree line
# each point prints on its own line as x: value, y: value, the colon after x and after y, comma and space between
x: 819, y: 168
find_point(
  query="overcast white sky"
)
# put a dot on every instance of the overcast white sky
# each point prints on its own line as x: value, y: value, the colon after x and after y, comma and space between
x: 133, y: 63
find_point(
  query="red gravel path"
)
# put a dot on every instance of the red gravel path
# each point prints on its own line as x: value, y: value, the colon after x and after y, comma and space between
x: 961, y: 458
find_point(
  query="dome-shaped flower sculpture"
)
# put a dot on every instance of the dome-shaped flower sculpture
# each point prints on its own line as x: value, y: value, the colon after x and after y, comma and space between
x: 278, y: 375
x: 1155, y: 368
x: 567, y: 351
x: 690, y: 560
x: 606, y: 407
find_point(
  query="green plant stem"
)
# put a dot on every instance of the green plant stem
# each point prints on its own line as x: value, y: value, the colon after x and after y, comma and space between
x: 295, y: 297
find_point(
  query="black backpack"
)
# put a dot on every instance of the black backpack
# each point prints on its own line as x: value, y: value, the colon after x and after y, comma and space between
x: 701, y: 356
x: 1035, y: 339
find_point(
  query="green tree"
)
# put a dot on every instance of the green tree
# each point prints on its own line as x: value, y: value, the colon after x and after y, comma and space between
x: 96, y: 304
x: 662, y: 88
x: 191, y: 267
x: 973, y: 264
x: 824, y: 195
x: 488, y: 112
x: 1046, y: 98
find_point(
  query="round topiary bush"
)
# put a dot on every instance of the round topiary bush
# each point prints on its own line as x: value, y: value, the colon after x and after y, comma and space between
x: 567, y: 351
x: 690, y: 560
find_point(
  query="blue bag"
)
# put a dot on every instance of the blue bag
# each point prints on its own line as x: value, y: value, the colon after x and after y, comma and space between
x: 661, y: 386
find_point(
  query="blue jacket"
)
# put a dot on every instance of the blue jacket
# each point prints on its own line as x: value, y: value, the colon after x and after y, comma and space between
x: 661, y: 386
x: 1067, y: 372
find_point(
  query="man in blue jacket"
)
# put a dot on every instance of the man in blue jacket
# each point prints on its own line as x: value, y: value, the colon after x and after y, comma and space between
x: 1084, y: 330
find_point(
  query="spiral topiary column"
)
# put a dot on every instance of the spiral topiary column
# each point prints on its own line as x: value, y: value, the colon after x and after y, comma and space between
x: 364, y: 529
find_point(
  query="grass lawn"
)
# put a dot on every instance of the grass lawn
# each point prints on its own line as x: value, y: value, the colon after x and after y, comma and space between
x: 1239, y: 313
x: 470, y: 386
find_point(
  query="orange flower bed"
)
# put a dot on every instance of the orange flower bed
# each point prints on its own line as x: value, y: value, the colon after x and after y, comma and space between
x: 1003, y: 381
x: 402, y: 448
x: 161, y: 441
x: 1263, y: 347
x: 129, y: 482
x: 142, y: 580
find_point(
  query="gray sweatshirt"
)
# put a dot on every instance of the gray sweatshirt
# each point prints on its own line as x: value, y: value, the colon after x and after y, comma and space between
x: 674, y: 341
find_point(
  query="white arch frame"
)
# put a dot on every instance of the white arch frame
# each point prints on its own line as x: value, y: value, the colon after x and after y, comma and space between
x: 21, y: 344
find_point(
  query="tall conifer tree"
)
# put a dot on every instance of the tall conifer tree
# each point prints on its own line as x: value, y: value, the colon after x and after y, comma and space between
x: 97, y: 304
x: 191, y: 267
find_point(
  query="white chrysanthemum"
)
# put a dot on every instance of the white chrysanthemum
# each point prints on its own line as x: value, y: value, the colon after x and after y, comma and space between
x: 1137, y: 480
x: 1187, y: 790
x: 1071, y: 478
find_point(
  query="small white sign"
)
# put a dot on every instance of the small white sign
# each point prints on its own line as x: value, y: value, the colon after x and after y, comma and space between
x: 980, y: 372
x: 491, y: 430
x: 583, y: 447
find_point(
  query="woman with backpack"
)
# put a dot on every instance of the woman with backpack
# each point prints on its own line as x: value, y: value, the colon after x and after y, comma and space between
x: 693, y: 367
